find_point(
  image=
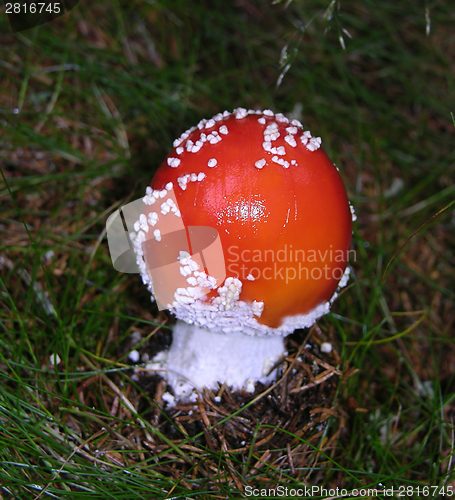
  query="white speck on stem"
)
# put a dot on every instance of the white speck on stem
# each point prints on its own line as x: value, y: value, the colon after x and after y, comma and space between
x: 134, y: 356
x: 326, y: 347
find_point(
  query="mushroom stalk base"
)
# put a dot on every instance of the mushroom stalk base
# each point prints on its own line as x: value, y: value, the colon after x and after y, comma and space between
x: 201, y: 358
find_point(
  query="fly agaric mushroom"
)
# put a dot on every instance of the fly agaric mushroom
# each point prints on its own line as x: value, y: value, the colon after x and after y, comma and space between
x: 282, y: 217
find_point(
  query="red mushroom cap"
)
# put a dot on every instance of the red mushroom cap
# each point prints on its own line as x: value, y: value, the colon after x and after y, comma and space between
x: 277, y: 201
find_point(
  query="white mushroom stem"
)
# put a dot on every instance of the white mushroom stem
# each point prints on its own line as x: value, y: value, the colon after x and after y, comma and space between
x: 201, y: 358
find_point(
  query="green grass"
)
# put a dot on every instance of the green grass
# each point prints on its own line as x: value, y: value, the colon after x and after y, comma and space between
x: 99, y: 95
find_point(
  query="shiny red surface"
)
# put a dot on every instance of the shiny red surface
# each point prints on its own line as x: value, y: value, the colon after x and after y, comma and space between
x: 260, y: 212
